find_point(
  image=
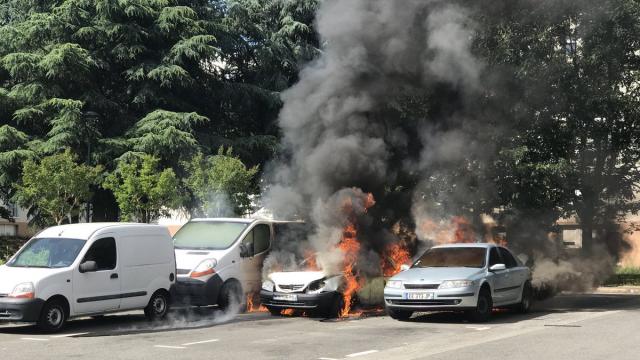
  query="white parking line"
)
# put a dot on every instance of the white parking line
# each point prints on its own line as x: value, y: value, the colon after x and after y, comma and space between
x: 479, y: 328
x: 362, y: 353
x: 34, y: 339
x: 69, y: 335
x: 169, y: 347
x: 201, y: 342
x: 323, y: 358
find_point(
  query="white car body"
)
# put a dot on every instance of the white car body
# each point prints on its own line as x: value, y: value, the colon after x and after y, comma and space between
x: 223, y: 266
x: 145, y: 264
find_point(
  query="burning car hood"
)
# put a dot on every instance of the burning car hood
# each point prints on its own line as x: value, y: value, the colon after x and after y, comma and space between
x: 437, y: 274
x: 296, y: 277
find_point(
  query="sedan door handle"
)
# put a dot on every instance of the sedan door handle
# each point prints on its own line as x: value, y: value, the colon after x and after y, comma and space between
x: 114, y: 276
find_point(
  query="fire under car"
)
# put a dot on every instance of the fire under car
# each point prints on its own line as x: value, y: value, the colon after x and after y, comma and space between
x: 473, y: 278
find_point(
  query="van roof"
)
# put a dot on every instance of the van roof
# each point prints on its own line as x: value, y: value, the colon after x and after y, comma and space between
x: 245, y: 220
x: 84, y: 230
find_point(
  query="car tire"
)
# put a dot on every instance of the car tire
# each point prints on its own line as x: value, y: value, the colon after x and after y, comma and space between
x: 53, y: 316
x: 231, y: 293
x: 399, y: 314
x: 158, y: 306
x: 527, y: 298
x: 275, y: 311
x: 482, y: 312
x: 334, y: 310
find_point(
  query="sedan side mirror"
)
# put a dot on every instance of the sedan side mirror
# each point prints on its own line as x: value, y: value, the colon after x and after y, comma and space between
x: 404, y: 267
x: 88, y: 266
x: 498, y: 267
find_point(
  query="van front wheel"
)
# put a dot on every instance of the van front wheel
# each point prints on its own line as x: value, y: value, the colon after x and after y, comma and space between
x: 158, y: 306
x: 53, y: 316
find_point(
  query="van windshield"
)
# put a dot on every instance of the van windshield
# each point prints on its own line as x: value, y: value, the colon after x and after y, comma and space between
x: 208, y: 235
x: 48, y: 253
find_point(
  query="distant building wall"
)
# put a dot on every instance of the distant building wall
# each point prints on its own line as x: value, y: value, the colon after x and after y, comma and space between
x: 19, y: 226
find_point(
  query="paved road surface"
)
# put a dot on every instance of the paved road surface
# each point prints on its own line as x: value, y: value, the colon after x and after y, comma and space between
x: 588, y: 326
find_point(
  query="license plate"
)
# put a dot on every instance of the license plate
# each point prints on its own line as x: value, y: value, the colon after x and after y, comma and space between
x: 286, y: 297
x: 419, y: 296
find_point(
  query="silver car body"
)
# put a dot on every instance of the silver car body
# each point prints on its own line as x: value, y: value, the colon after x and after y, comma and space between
x: 421, y: 288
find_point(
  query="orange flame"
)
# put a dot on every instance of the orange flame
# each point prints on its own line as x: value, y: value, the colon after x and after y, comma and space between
x: 350, y: 247
x: 251, y: 307
x: 457, y: 230
x: 394, y: 257
x: 286, y: 312
x: 311, y: 261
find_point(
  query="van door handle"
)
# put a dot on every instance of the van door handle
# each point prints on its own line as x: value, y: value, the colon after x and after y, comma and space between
x: 114, y: 276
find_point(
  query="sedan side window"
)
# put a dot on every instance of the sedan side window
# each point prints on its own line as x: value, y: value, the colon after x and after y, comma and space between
x: 103, y: 252
x: 494, y: 257
x: 509, y: 260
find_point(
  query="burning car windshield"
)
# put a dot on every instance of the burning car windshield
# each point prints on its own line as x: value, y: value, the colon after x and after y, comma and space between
x: 209, y: 235
x: 452, y: 257
x: 48, y: 253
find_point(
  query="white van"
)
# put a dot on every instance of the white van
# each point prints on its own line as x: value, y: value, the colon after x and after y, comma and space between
x: 220, y: 260
x: 86, y: 270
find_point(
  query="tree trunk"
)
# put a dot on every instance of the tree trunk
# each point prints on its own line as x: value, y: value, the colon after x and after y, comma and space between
x: 586, y: 225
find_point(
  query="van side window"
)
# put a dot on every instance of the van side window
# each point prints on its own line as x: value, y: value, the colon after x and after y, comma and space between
x: 248, y: 242
x: 103, y: 252
x: 261, y: 238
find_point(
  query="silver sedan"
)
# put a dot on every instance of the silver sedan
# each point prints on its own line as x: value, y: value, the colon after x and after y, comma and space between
x: 473, y: 278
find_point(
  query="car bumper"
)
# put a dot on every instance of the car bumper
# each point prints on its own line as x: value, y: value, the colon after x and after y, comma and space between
x: 20, y: 310
x: 197, y: 292
x: 302, y: 301
x: 451, y: 299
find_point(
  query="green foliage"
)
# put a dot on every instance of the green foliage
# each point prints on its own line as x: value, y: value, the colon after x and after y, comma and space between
x: 221, y: 184
x: 143, y: 190
x: 56, y: 186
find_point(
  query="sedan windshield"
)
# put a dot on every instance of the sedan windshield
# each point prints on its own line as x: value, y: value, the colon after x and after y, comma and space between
x: 48, y: 253
x: 208, y: 235
x: 452, y: 257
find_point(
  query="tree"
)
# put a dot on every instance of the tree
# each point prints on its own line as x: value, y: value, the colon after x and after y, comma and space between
x: 221, y: 184
x: 142, y: 190
x: 56, y: 186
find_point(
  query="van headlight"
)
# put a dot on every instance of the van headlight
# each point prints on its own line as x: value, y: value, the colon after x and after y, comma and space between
x: 23, y: 291
x: 268, y: 285
x: 454, y: 284
x: 206, y: 267
x: 394, y: 284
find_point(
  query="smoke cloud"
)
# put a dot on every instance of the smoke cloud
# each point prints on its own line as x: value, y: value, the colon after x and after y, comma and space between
x: 357, y: 123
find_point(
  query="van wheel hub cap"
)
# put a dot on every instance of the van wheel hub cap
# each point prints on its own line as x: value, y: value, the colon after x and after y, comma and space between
x: 159, y: 305
x: 54, y: 317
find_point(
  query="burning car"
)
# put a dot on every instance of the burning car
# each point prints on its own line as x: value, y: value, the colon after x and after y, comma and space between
x: 315, y: 292
x: 472, y: 278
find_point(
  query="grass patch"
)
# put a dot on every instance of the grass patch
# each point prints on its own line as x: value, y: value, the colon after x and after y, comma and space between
x: 628, y: 270
x: 627, y: 275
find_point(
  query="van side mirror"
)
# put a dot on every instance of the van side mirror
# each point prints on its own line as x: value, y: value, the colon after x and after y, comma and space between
x: 88, y: 266
x: 404, y: 267
x: 497, y: 267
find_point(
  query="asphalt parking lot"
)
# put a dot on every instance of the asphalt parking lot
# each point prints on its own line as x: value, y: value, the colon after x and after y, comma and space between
x: 584, y: 326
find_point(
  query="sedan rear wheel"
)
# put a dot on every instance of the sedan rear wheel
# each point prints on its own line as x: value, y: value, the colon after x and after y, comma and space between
x: 527, y: 296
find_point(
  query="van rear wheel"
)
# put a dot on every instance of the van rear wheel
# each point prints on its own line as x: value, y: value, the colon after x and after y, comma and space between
x: 53, y: 316
x: 158, y: 306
